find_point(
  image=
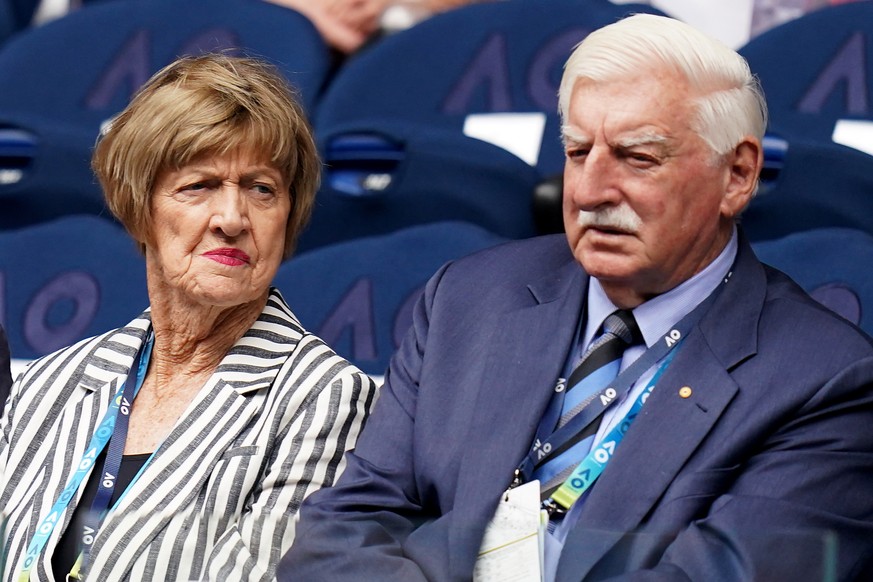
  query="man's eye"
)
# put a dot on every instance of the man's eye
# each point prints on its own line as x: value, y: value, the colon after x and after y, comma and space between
x: 641, y: 159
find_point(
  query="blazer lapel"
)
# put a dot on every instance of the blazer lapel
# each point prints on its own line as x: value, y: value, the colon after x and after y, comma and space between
x: 663, y: 437
x: 670, y: 427
x: 519, y: 379
x: 223, y: 409
x: 97, y: 382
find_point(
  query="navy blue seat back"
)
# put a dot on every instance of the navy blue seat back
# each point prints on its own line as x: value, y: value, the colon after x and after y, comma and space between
x: 379, y: 181
x: 482, y: 58
x: 832, y: 265
x: 812, y: 184
x: 62, y: 80
x: 816, y: 70
x: 84, y: 67
x: 45, y: 171
x: 65, y: 280
x: 7, y: 21
x: 358, y: 295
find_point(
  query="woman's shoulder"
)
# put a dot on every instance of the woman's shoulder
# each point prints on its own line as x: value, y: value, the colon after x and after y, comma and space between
x: 107, y: 351
x: 310, y: 360
x: 323, y: 362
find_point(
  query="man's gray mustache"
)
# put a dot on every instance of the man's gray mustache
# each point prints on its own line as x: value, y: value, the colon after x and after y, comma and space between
x: 615, y: 217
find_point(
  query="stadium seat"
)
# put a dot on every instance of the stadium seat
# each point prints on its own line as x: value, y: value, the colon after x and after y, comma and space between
x: 68, y: 279
x: 45, y: 172
x: 832, y: 265
x: 376, y: 182
x: 358, y: 295
x: 811, y: 184
x: 61, y: 81
x: 478, y: 60
x: 816, y: 73
x: 7, y: 21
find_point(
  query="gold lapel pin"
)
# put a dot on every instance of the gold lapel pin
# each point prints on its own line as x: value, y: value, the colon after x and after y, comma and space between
x: 685, y: 392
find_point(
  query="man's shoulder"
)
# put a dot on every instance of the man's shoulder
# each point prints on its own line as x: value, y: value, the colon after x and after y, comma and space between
x: 789, y: 307
x: 525, y: 257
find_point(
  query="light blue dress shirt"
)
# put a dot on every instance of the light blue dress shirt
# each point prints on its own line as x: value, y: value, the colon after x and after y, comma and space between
x: 654, y: 318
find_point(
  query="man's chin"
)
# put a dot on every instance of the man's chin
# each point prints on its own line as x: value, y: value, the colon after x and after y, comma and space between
x: 605, y: 264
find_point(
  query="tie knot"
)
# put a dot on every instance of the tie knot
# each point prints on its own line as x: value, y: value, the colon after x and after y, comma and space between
x: 622, y: 325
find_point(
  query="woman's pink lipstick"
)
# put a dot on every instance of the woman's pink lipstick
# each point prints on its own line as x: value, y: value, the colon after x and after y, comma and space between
x: 228, y: 256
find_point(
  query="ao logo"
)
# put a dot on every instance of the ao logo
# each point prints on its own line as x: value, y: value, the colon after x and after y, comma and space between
x: 74, y: 294
x: 848, y: 68
x: 489, y: 71
x: 355, y: 314
x: 132, y: 65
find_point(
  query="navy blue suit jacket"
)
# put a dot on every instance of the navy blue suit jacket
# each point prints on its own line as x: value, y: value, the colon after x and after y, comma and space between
x: 740, y: 481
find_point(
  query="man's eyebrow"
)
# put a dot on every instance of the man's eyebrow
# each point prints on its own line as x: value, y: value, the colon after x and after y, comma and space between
x: 641, y: 139
x: 570, y: 136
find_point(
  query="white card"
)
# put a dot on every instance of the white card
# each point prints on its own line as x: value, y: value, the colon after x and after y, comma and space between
x: 518, y: 133
x: 511, y: 549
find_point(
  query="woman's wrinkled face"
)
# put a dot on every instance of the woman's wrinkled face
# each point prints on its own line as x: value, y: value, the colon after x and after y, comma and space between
x: 218, y: 230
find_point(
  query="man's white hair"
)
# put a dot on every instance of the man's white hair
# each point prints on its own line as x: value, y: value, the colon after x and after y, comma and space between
x: 730, y: 103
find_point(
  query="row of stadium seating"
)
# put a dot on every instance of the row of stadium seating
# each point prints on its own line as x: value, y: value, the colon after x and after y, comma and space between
x: 437, y: 140
x: 407, y: 127
x: 85, y: 276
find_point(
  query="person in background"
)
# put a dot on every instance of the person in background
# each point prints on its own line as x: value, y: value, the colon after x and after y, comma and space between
x: 676, y: 409
x: 180, y: 446
x: 347, y: 25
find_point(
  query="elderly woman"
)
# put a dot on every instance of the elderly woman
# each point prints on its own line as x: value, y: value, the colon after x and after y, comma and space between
x: 180, y: 446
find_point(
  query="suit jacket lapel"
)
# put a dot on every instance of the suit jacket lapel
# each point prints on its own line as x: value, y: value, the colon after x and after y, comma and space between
x: 670, y: 427
x: 518, y: 380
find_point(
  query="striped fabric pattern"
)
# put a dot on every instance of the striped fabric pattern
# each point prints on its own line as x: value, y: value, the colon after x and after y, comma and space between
x: 219, y: 499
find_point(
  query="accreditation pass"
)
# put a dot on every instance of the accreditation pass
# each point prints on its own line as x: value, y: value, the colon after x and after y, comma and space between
x: 512, y: 548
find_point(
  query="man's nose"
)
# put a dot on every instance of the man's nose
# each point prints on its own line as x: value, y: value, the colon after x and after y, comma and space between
x: 591, y: 182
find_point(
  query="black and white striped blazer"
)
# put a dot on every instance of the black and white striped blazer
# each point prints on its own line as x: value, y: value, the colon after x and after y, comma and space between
x: 219, y: 498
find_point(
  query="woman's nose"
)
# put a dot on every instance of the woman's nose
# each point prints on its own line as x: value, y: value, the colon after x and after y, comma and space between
x: 230, y: 212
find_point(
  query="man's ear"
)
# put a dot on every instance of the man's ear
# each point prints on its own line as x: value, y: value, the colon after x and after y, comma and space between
x: 744, y: 167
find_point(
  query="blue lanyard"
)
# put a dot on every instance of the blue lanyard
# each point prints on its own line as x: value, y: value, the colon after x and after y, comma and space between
x: 101, y: 436
x: 549, y: 444
x: 112, y: 464
x: 590, y: 468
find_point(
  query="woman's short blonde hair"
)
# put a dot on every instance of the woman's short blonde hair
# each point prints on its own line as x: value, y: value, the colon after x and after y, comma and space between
x: 209, y: 105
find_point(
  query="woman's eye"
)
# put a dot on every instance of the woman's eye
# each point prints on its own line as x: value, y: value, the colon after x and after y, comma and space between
x: 195, y: 186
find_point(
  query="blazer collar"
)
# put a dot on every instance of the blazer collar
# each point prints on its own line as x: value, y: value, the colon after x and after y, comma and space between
x: 277, y: 327
x: 632, y: 483
x: 276, y: 324
x: 227, y: 395
x: 114, y: 355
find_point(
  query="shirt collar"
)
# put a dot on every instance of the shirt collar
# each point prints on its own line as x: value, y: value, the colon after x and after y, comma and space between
x: 657, y: 315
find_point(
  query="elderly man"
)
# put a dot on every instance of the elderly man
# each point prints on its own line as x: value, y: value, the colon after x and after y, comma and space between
x: 719, y: 427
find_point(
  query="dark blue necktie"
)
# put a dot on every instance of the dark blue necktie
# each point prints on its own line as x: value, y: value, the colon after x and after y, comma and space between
x: 599, y: 366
